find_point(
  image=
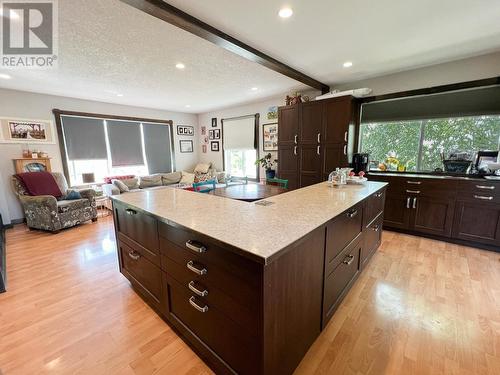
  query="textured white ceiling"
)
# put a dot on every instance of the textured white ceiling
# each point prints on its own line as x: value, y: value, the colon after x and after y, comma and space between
x: 379, y: 37
x: 107, y: 48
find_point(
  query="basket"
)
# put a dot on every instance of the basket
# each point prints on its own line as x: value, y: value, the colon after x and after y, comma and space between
x: 456, y: 166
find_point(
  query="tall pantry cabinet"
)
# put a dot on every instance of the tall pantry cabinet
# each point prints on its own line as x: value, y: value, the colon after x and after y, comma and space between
x: 314, y: 139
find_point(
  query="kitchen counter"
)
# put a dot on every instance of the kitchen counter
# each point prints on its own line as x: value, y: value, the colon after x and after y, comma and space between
x: 430, y: 176
x: 262, y: 231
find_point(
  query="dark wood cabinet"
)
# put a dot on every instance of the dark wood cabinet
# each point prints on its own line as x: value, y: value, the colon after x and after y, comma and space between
x: 477, y: 222
x: 433, y: 215
x: 318, y: 132
x: 397, y: 211
x: 137, y: 226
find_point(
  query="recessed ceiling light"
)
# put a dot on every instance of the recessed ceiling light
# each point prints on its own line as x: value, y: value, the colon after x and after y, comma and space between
x: 5, y: 76
x: 120, y: 95
x: 180, y: 66
x: 254, y: 88
x: 188, y: 106
x: 285, y: 12
x: 347, y: 64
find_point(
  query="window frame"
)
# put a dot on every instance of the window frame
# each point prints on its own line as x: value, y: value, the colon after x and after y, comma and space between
x: 62, y: 141
x: 256, y: 142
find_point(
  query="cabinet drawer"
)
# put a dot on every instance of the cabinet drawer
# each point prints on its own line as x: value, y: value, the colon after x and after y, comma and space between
x: 139, y: 227
x: 337, y: 283
x: 374, y: 206
x: 144, y: 275
x: 343, y: 230
x: 371, y: 238
x: 192, y: 265
x: 215, y: 329
x: 201, y: 287
x: 481, y: 187
x: 484, y: 196
x: 152, y: 256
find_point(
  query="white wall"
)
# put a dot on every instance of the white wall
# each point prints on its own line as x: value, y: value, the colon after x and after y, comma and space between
x: 485, y: 66
x: 38, y: 106
x: 260, y: 107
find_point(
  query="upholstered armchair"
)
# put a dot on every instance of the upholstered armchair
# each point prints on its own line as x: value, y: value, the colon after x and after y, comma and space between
x: 48, y: 213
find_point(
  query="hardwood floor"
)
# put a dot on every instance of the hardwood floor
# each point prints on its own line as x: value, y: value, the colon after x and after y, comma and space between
x: 421, y: 307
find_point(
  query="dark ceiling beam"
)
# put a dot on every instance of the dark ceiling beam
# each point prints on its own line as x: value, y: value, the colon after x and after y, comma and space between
x: 177, y: 17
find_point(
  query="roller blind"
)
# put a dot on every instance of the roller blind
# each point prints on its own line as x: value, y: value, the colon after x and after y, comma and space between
x: 158, y: 147
x: 239, y: 133
x: 473, y: 102
x: 125, y: 143
x: 84, y: 137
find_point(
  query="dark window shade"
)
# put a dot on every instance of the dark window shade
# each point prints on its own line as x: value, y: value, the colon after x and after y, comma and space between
x: 158, y: 147
x: 125, y: 143
x: 474, y: 102
x: 84, y: 138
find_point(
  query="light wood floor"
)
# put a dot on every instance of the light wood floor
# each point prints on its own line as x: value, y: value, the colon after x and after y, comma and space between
x: 421, y: 307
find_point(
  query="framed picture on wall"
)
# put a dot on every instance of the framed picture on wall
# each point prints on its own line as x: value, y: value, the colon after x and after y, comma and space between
x: 270, y: 137
x: 272, y: 113
x: 204, y: 149
x: 214, y: 146
x: 211, y: 134
x: 216, y: 133
x: 186, y: 146
x: 25, y: 131
x: 203, y: 130
x: 214, y: 122
x: 185, y: 130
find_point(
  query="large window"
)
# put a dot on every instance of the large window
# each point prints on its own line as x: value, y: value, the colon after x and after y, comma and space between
x: 419, y: 144
x: 240, y: 146
x: 419, y: 131
x: 108, y: 147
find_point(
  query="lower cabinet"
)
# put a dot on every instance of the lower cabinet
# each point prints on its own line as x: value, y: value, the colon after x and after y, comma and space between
x: 433, y: 215
x: 372, y: 237
x: 478, y: 222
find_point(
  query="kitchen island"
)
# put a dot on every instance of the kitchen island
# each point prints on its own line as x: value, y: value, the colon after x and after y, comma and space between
x: 249, y: 286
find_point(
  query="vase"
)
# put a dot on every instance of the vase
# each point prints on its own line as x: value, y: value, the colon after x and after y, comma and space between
x: 270, y: 173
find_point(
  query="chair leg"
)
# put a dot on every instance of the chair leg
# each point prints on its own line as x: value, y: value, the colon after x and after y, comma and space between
x: 94, y: 219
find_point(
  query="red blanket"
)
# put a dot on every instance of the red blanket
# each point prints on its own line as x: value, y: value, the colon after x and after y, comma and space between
x: 40, y: 183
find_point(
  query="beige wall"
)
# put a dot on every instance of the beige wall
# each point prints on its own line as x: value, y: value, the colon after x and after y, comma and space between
x: 470, y: 69
x: 38, y: 106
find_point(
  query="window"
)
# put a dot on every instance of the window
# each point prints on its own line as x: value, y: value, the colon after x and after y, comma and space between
x: 418, y: 144
x: 108, y: 147
x: 240, y: 146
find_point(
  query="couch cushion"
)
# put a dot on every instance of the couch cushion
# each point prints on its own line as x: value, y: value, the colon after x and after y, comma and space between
x: 171, y: 178
x: 187, y: 178
x: 108, y: 180
x: 202, y: 167
x: 201, y: 177
x: 65, y: 206
x: 132, y: 183
x: 150, y: 181
x: 121, y: 186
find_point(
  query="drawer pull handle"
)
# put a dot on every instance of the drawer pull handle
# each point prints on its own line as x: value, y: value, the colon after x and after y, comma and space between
x: 195, y: 246
x: 295, y: 150
x: 345, y: 149
x: 352, y: 214
x: 484, y: 198
x: 408, y: 200
x: 348, y: 259
x: 345, y: 136
x: 319, y: 137
x: 295, y: 139
x: 379, y: 194
x: 414, y: 182
x: 133, y: 255
x: 318, y: 150
x: 198, y: 271
x: 131, y: 211
x: 376, y: 228
x: 201, y: 293
x: 193, y: 303
x: 486, y: 187
x: 413, y: 191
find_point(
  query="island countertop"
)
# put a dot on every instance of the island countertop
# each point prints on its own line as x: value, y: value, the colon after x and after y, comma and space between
x: 261, y: 231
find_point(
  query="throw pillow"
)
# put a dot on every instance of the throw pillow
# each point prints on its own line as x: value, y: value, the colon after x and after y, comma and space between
x: 187, y: 178
x: 221, y: 177
x: 200, y: 177
x: 171, y: 178
x: 120, y: 185
x: 72, y: 195
x: 132, y: 183
x: 150, y: 181
x: 202, y: 167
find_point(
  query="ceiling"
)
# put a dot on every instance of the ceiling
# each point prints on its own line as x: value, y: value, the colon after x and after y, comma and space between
x: 108, y: 48
x: 379, y: 37
x: 111, y: 52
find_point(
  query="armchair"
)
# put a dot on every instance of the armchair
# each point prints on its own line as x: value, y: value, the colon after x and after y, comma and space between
x: 47, y: 213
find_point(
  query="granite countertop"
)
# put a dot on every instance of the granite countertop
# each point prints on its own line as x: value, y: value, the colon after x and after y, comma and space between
x: 430, y: 176
x: 260, y: 231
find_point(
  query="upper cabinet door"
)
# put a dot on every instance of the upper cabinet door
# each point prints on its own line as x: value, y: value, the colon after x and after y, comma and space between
x: 288, y: 125
x: 312, y: 122
x: 339, y: 113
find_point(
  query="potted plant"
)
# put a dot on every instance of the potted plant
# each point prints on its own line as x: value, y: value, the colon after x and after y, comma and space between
x: 267, y: 162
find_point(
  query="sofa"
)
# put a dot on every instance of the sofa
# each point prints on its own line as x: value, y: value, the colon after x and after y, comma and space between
x: 46, y: 212
x: 202, y: 172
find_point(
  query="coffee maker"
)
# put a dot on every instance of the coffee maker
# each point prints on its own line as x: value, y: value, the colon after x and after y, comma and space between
x: 360, y: 162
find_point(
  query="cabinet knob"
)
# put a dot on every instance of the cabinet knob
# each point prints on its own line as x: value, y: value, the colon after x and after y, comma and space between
x: 130, y: 211
x: 379, y: 194
x: 133, y: 255
x: 348, y: 259
x: 192, y: 302
x: 376, y: 228
x: 199, y: 271
x: 352, y: 213
x: 195, y: 246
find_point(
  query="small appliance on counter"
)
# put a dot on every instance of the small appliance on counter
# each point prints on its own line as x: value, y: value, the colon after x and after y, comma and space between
x: 360, y: 162
x: 457, y: 162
